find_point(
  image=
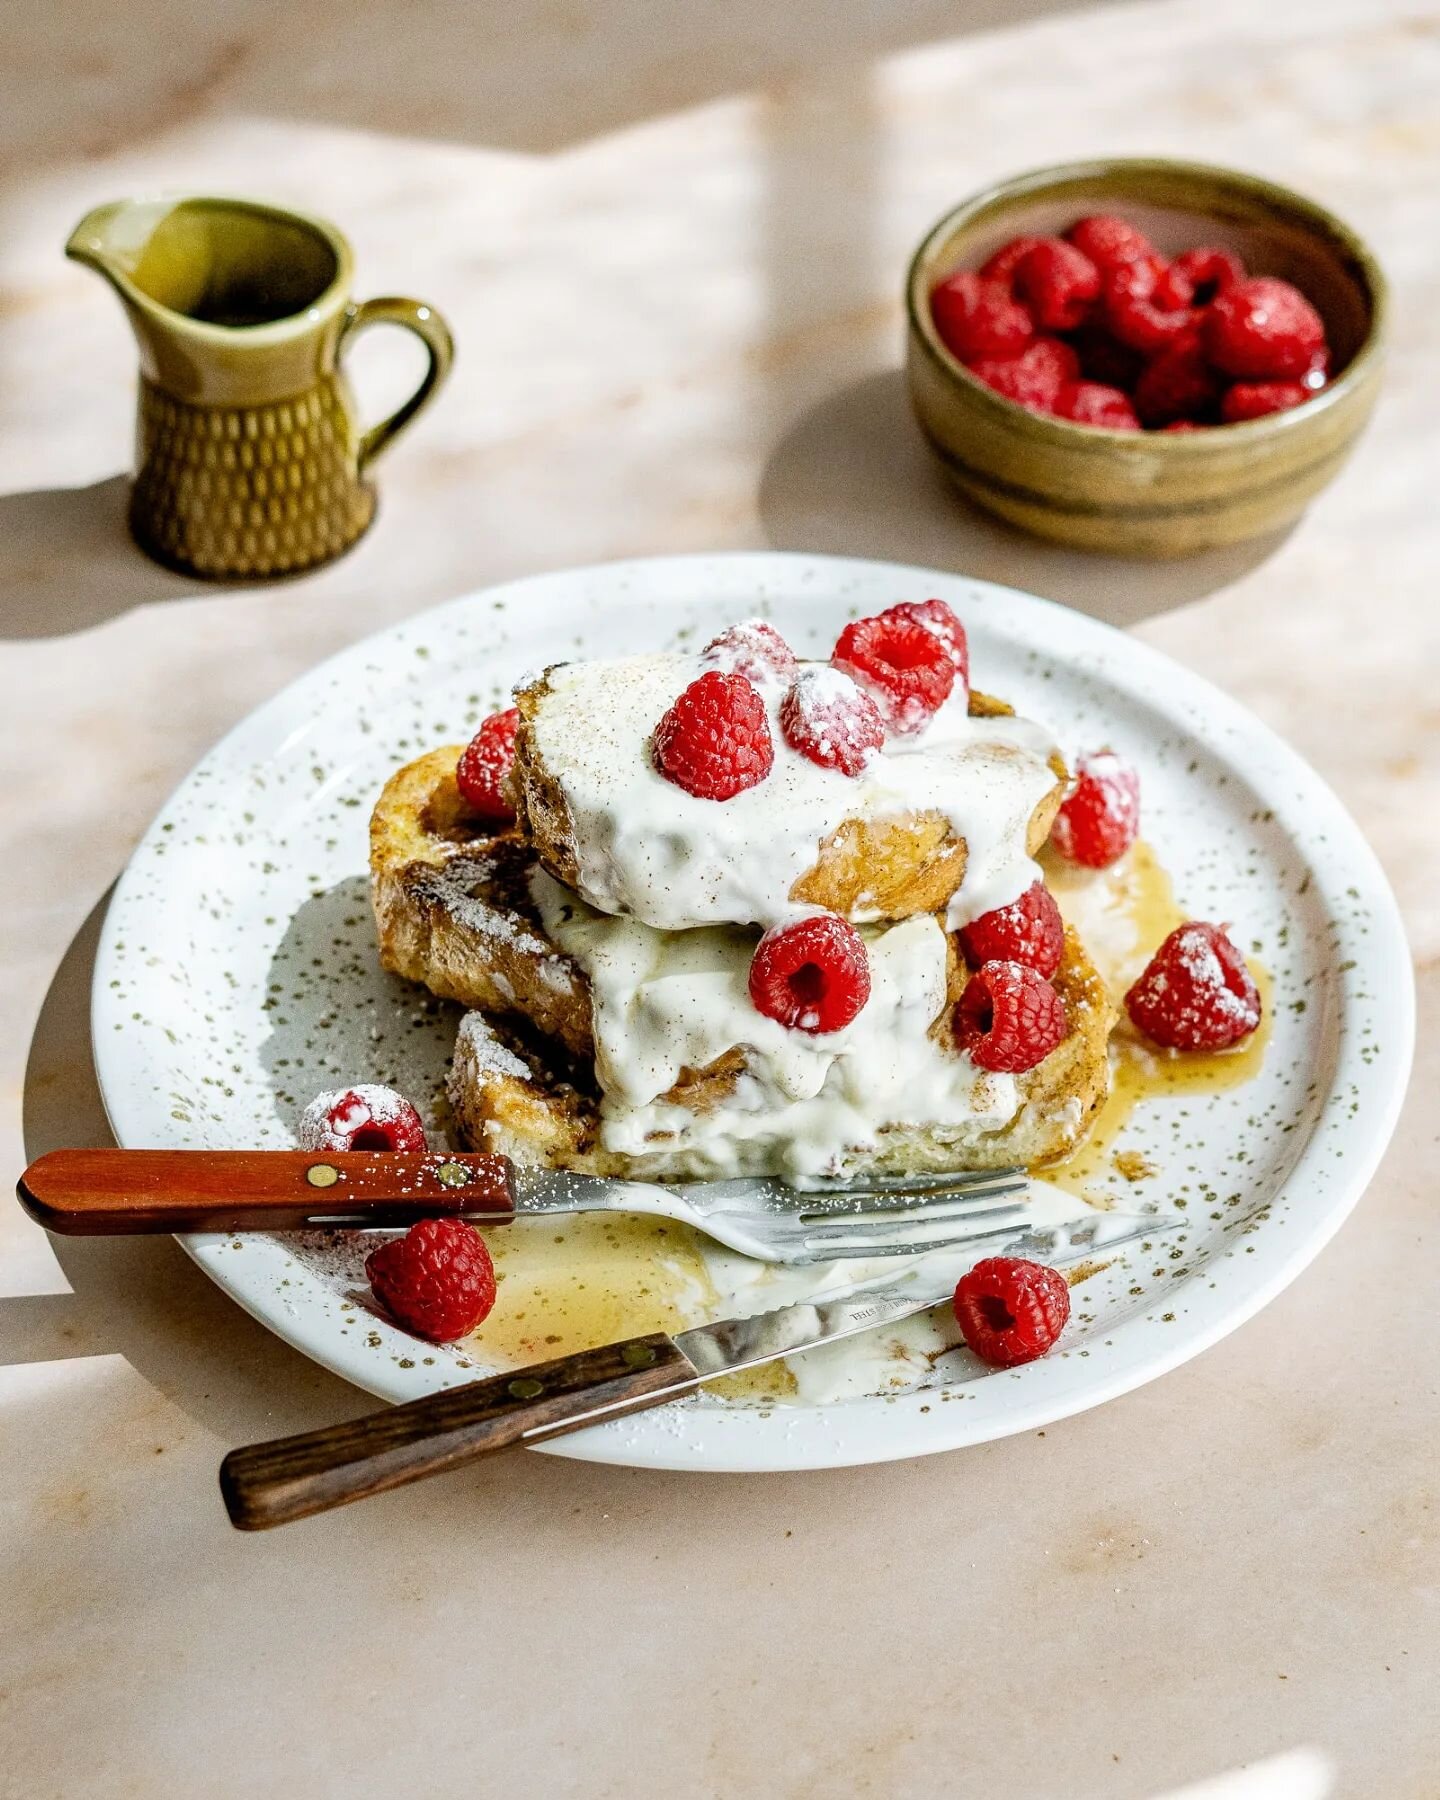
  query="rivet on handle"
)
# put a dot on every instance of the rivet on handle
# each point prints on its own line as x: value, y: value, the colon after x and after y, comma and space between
x: 453, y: 1175
x: 525, y: 1387
x: 322, y: 1175
x: 637, y: 1356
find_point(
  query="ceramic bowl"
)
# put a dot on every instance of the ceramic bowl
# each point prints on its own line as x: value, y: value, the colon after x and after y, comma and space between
x: 1151, y: 493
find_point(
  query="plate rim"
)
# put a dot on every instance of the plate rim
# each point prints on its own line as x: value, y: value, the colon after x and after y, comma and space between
x: 902, y: 1431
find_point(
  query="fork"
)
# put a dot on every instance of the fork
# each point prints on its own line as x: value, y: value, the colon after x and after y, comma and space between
x: 94, y: 1192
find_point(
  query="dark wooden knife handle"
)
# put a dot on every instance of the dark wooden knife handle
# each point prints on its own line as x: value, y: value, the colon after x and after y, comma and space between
x: 106, y: 1192
x: 291, y: 1478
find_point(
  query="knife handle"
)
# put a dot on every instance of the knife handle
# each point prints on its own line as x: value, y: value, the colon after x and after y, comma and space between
x: 291, y: 1478
x: 107, y: 1192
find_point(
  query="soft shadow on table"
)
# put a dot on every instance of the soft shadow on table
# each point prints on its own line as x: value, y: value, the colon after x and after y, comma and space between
x: 67, y: 562
x: 853, y: 477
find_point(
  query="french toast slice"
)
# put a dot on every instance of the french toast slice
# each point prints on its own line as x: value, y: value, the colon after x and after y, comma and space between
x: 453, y: 909
x: 869, y: 855
x: 514, y: 1093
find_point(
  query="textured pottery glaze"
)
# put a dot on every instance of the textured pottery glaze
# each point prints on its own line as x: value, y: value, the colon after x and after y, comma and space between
x: 250, y: 461
x: 1149, y: 493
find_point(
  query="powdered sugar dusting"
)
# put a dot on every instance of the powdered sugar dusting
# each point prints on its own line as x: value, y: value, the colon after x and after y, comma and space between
x: 332, y: 1119
x: 753, y: 649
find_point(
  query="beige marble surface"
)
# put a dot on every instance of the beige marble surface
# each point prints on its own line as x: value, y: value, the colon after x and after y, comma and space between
x: 670, y: 241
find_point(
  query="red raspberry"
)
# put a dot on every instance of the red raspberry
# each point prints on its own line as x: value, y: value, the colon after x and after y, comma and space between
x: 1253, y: 399
x: 1263, y: 330
x: 1009, y: 1017
x: 1029, y: 930
x: 1035, y: 378
x: 1002, y: 265
x: 1179, y: 384
x: 1090, y: 403
x: 715, y: 740
x: 483, y: 772
x: 811, y: 976
x: 976, y: 318
x: 753, y: 649
x: 936, y: 616
x: 1100, y: 820
x: 1011, y: 1310
x: 1182, y: 425
x: 437, y: 1281
x: 901, y: 663
x: 1195, y: 993
x: 1197, y: 276
x: 1134, y: 313
x: 1058, y: 283
x: 1109, y: 242
x: 827, y: 718
x: 364, y: 1117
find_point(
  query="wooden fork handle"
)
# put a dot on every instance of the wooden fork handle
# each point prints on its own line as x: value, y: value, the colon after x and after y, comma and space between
x: 82, y: 1192
x: 291, y: 1478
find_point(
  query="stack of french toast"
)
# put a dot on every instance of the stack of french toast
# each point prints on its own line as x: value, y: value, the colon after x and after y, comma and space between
x: 714, y: 913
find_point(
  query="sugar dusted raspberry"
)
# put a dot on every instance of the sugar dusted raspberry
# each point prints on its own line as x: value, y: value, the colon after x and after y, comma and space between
x: 1090, y: 403
x: 944, y: 621
x: 754, y: 649
x: 363, y: 1117
x: 1263, y: 330
x: 1133, y: 312
x: 1100, y: 819
x: 1029, y: 930
x: 1179, y: 384
x: 1058, y: 283
x: 1109, y: 242
x: 976, y: 318
x: 483, y: 772
x: 1196, y: 992
x: 1002, y: 265
x: 715, y: 740
x: 812, y: 976
x: 1010, y: 1310
x: 901, y: 663
x: 1254, y: 399
x: 1035, y: 378
x: 1009, y: 1018
x: 438, y: 1280
x: 1197, y: 276
x: 826, y: 717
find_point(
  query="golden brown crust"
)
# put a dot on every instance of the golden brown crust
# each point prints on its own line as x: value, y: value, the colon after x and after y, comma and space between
x: 866, y: 869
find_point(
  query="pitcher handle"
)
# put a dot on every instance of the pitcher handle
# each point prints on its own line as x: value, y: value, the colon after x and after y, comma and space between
x: 432, y: 331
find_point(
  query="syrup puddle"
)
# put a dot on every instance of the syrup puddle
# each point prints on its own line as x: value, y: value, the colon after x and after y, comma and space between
x: 1123, y: 914
x: 570, y: 1284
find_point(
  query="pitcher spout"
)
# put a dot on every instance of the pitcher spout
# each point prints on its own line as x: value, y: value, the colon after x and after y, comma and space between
x: 111, y: 239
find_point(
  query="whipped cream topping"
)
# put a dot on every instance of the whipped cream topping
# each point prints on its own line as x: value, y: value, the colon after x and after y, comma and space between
x: 805, y: 1104
x: 648, y: 850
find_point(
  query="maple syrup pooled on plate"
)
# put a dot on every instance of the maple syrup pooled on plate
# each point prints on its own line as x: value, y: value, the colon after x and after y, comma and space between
x: 1124, y: 913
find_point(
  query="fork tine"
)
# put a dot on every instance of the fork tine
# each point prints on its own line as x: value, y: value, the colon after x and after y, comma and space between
x: 936, y: 1203
x: 957, y: 1179
x: 893, y: 1239
x: 896, y: 1224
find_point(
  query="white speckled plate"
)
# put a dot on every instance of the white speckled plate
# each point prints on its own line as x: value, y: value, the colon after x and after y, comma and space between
x: 237, y: 975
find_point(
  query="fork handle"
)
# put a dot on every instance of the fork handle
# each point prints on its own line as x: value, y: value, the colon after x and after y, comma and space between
x: 107, y: 1192
x: 291, y: 1478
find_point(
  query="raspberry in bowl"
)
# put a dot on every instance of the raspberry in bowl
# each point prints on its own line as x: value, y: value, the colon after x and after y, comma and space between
x: 1204, y: 348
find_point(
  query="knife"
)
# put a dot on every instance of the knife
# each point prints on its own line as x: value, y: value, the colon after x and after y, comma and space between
x: 291, y: 1478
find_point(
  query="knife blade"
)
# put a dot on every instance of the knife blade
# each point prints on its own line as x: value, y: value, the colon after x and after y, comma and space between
x: 291, y: 1478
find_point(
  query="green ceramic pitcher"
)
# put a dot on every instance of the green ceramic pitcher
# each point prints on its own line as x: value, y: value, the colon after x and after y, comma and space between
x: 250, y: 459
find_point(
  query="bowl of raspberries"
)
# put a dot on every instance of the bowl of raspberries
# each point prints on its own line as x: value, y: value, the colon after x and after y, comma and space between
x: 1144, y: 357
